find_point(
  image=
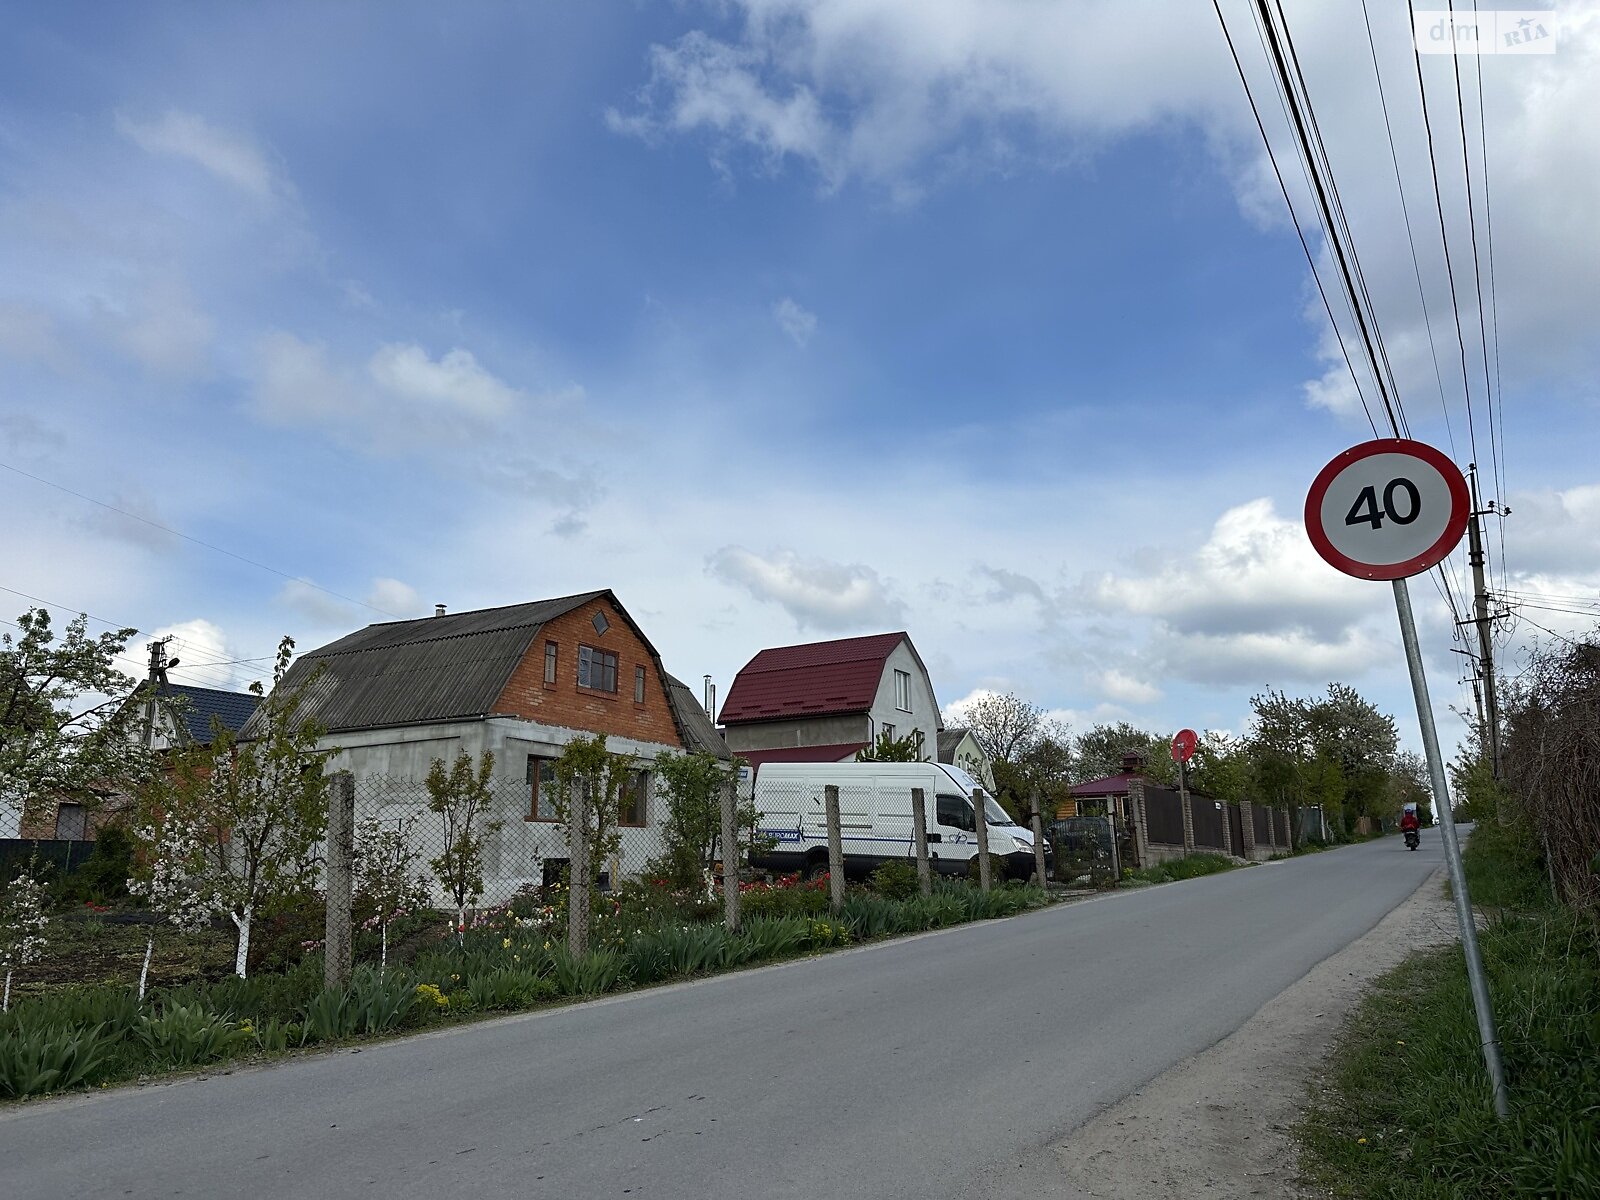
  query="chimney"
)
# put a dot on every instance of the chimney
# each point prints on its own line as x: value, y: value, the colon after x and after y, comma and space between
x: 710, y: 700
x: 438, y: 610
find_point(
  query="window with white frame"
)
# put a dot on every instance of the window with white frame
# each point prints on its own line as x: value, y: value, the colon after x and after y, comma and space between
x: 902, y: 690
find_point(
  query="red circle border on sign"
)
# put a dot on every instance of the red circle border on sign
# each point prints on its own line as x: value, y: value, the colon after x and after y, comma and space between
x: 1460, y: 508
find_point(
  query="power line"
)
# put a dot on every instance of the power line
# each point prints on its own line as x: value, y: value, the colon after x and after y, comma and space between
x: 1293, y: 216
x: 198, y: 542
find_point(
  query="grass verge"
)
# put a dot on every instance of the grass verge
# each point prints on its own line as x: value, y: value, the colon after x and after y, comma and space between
x: 1405, y: 1109
x: 1192, y: 867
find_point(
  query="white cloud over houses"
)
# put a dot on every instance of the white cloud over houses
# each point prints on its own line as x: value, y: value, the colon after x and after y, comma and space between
x: 820, y: 595
x: 229, y: 156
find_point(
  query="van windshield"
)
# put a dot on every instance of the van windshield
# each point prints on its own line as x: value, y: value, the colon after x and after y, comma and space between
x: 993, y: 813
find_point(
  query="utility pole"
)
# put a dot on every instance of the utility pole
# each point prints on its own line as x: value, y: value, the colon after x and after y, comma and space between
x: 1482, y: 620
x: 156, y: 677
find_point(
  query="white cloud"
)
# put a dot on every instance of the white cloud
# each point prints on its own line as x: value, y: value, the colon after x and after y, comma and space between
x: 1252, y: 604
x: 817, y: 593
x: 204, y: 653
x: 321, y: 610
x: 165, y: 332
x: 1124, y: 688
x: 795, y: 321
x: 393, y: 596
x: 231, y: 157
x: 455, y: 384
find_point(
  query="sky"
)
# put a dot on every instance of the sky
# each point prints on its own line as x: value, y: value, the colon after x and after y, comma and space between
x: 783, y: 319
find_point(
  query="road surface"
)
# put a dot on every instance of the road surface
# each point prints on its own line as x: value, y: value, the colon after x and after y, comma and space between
x: 926, y: 1067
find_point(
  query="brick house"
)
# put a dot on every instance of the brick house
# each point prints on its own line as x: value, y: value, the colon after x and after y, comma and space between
x: 823, y: 701
x: 519, y: 681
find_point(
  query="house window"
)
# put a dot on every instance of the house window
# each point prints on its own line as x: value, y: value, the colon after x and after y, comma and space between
x: 597, y: 669
x: 542, y: 788
x: 638, y: 685
x: 71, y: 823
x: 902, y: 690
x: 956, y: 812
x: 631, y: 805
x: 887, y: 730
x: 549, y: 662
x: 600, y: 623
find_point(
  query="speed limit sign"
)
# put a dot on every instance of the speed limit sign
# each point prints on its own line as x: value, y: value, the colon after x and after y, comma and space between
x: 1387, y: 509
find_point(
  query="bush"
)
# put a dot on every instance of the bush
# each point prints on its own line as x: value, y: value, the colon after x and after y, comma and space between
x: 103, y: 877
x: 895, y: 879
x: 788, y: 897
x: 50, y: 1059
x: 186, y: 1036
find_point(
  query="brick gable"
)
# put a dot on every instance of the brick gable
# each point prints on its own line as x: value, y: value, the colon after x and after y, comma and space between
x: 565, y: 704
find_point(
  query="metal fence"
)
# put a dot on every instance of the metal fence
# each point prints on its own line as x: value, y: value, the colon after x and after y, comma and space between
x: 1261, y: 820
x: 1163, y: 812
x: 1209, y: 817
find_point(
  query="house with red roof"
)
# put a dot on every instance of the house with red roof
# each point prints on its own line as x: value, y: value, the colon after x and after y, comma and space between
x: 823, y: 701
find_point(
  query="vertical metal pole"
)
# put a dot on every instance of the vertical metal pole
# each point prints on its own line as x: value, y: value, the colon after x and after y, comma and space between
x: 830, y: 799
x: 981, y: 818
x: 730, y: 856
x: 1452, y: 852
x: 919, y: 834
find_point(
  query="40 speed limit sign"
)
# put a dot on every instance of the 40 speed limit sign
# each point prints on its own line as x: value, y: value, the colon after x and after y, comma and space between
x: 1387, y: 509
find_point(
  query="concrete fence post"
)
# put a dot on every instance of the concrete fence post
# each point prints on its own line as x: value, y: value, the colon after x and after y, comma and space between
x: 341, y: 865
x: 1272, y: 828
x: 1288, y: 832
x: 985, y: 876
x: 919, y: 834
x: 830, y: 798
x: 1038, y: 838
x: 730, y: 857
x: 578, y: 867
x: 1247, y: 827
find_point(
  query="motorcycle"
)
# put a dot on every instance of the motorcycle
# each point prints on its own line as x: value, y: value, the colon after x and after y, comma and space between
x: 1413, y: 839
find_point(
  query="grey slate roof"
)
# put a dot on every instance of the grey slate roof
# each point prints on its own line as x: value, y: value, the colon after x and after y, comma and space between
x: 949, y: 739
x: 699, y: 734
x: 195, y: 706
x: 421, y: 671
x: 452, y: 667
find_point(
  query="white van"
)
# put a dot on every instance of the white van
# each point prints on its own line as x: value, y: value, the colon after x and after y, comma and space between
x: 875, y: 818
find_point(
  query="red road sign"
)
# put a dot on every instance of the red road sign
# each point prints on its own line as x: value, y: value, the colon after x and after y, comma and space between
x: 1387, y: 509
x: 1183, y: 745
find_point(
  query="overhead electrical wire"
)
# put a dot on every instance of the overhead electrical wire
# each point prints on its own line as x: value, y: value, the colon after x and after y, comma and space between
x: 198, y: 542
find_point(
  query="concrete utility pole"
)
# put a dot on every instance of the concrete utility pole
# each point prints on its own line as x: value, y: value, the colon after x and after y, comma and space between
x: 1482, y: 619
x: 919, y: 834
x: 156, y: 676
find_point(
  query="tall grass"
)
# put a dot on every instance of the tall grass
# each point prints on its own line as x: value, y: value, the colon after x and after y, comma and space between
x: 1406, y: 1110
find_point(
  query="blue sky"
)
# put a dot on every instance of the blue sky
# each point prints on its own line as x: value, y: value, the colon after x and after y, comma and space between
x: 784, y: 319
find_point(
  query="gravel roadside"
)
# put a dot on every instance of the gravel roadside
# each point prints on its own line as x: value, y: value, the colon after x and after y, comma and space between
x: 1217, y: 1124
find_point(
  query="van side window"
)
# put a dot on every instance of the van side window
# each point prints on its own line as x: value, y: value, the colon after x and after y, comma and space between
x: 956, y: 812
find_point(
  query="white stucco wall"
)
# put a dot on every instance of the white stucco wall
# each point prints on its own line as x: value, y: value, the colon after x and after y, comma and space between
x: 924, y: 714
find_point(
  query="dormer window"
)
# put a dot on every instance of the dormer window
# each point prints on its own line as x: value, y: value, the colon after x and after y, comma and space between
x: 599, y: 622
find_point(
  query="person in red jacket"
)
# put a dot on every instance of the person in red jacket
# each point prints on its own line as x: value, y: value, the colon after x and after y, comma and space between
x: 1408, y: 821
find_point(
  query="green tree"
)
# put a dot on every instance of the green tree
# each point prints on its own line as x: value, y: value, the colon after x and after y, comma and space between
x: 605, y: 775
x: 691, y: 832
x: 237, y: 826
x: 1221, y: 767
x: 67, y: 727
x: 1101, y: 748
x: 889, y: 748
x: 461, y: 795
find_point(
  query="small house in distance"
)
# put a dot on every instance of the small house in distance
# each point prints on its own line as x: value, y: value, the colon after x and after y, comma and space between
x: 823, y: 701
x: 959, y: 748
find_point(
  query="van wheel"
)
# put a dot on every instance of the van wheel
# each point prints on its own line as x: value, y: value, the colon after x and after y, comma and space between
x: 816, y: 868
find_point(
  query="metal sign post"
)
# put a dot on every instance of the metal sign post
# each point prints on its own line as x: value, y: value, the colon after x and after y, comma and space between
x: 1388, y: 509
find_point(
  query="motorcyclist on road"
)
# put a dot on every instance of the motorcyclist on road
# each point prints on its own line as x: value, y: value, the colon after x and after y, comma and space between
x: 1409, y: 822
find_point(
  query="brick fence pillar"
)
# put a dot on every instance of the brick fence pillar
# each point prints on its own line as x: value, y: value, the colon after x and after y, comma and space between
x: 1228, y: 847
x: 1247, y: 826
x: 1186, y: 804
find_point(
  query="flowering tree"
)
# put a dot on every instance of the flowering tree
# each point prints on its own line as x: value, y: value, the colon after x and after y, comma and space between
x: 388, y: 883
x: 22, y: 923
x: 239, y: 824
x: 460, y: 795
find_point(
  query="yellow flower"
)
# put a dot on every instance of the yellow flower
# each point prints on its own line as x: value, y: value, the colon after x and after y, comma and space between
x: 1361, y: 1141
x: 1399, y: 1043
x: 506, y: 944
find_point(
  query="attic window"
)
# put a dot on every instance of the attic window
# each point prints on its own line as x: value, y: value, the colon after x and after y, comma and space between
x: 600, y: 623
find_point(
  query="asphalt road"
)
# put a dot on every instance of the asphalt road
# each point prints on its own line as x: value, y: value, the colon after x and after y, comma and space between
x: 927, y: 1067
